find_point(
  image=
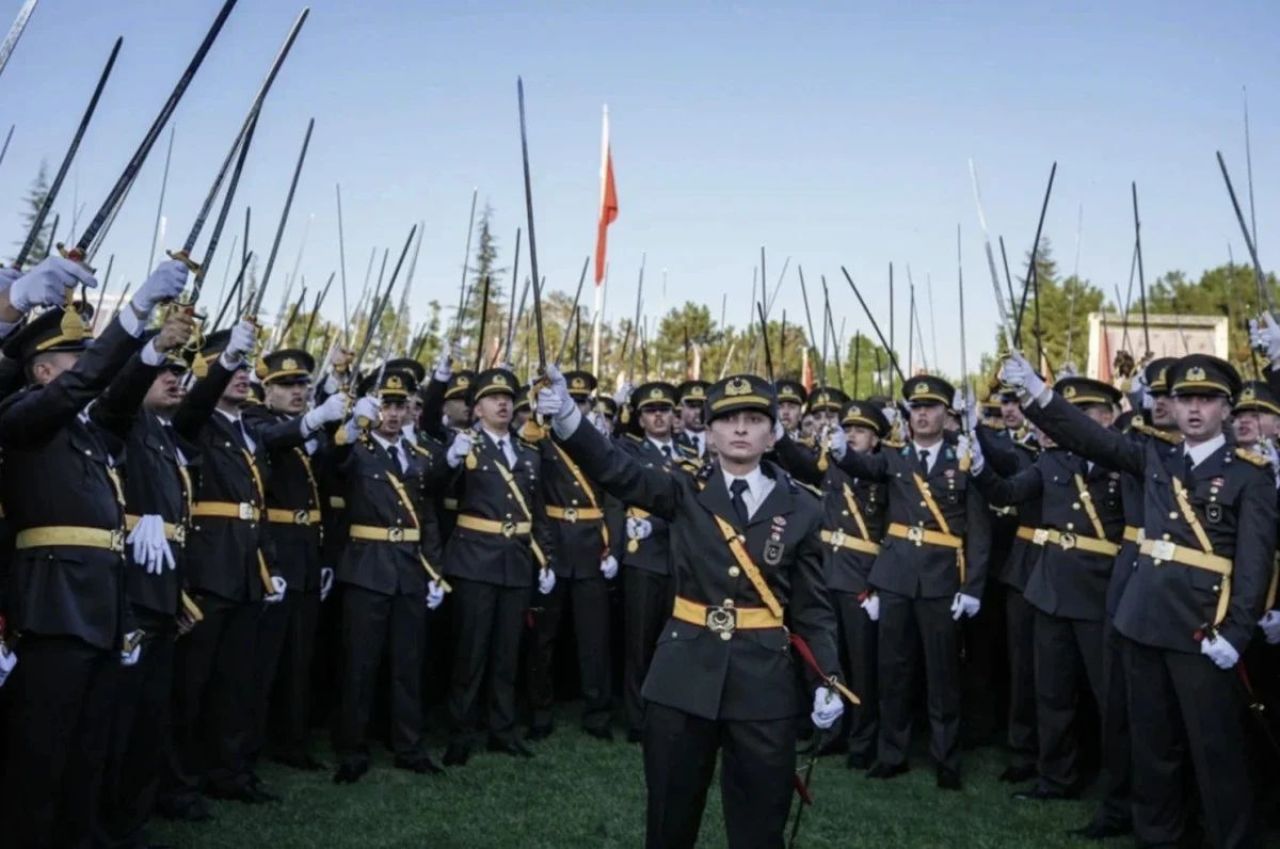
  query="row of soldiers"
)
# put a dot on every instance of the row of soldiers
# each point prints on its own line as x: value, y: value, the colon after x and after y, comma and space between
x: 173, y: 542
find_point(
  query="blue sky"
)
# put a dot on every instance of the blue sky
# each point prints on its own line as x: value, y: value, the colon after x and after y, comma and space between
x: 833, y: 133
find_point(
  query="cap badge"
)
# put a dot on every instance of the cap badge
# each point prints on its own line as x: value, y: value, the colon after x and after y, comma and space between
x: 1195, y: 373
x: 289, y: 364
x: 499, y: 380
x: 737, y: 386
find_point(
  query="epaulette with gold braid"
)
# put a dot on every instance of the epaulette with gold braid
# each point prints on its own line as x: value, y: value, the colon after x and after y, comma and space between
x: 1139, y: 424
x: 1250, y: 456
x: 809, y: 488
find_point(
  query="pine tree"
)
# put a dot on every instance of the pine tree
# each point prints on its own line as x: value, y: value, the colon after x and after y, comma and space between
x: 34, y: 200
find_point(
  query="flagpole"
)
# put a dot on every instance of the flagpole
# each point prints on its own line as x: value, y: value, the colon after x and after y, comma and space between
x: 595, y: 324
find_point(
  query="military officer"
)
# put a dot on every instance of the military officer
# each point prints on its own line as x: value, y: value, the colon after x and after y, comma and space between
x: 791, y: 400
x: 1255, y: 414
x: 1193, y: 601
x: 693, y: 426
x: 746, y: 556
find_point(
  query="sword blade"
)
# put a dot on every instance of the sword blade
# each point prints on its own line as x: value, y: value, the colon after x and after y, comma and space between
x: 15, y: 32
x: 284, y: 217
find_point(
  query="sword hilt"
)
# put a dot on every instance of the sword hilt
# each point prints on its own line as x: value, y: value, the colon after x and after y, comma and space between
x: 185, y: 258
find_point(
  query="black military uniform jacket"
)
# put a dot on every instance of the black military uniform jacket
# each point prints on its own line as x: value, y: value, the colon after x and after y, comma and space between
x: 231, y: 558
x: 744, y: 674
x: 380, y: 493
x: 294, y: 517
x: 918, y: 568
x: 61, y: 469
x: 1007, y: 457
x: 854, y: 516
x: 1167, y: 604
x: 1066, y: 579
x: 506, y: 553
x: 653, y: 553
x: 571, y: 499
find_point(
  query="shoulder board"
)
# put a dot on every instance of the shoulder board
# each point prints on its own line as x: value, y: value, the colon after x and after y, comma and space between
x: 419, y: 449
x: 1252, y: 457
x: 809, y: 488
x: 1171, y: 437
x: 634, y: 438
x: 893, y: 443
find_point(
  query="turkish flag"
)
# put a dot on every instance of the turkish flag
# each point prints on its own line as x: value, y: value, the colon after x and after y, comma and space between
x: 608, y: 199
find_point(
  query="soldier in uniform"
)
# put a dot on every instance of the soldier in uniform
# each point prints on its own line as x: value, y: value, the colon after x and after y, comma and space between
x: 1193, y: 601
x: 585, y: 562
x: 853, y: 526
x: 791, y: 400
x: 606, y: 410
x: 1255, y: 415
x: 286, y: 635
x: 746, y: 557
x: 693, y: 426
x: 66, y: 582
x: 387, y: 574
x: 499, y: 551
x: 1074, y: 544
x: 929, y: 574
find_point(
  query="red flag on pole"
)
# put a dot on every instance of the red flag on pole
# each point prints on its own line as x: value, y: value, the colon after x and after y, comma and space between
x: 608, y: 199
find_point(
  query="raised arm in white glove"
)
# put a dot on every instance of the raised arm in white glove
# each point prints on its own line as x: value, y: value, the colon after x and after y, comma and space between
x: 1264, y: 336
x: 827, y: 708
x: 244, y: 335
x: 970, y: 446
x: 47, y: 284
x: 164, y: 284
x: 554, y: 401
x: 837, y: 443
x: 459, y: 449
x: 1019, y: 374
x: 332, y: 410
x: 150, y: 549
x: 442, y: 368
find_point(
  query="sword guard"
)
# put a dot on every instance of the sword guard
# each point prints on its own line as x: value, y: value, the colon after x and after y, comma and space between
x: 185, y: 258
x: 75, y: 255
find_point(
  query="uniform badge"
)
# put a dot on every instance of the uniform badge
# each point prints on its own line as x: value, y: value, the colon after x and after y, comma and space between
x: 773, y: 552
x: 1213, y: 513
x: 633, y: 545
x: 1218, y: 483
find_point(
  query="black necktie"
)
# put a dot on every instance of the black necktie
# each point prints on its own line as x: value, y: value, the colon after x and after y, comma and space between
x: 736, y: 489
x: 502, y: 449
x: 924, y: 461
x: 1187, y: 465
x: 666, y: 449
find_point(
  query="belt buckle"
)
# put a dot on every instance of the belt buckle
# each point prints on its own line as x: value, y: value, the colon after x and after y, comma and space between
x: 571, y: 514
x: 302, y: 517
x: 508, y: 529
x: 246, y: 511
x: 837, y: 539
x: 1040, y: 536
x: 117, y: 541
x: 1162, y: 549
x: 1067, y: 541
x: 395, y: 534
x: 915, y: 534
x: 180, y: 534
x: 722, y: 621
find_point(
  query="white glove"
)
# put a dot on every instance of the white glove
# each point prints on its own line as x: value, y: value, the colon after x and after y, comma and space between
x: 332, y: 410
x: 827, y: 708
x: 971, y: 447
x: 1019, y: 374
x: 609, y: 567
x: 779, y: 430
x: 47, y: 284
x: 601, y: 424
x: 837, y: 443
x: 871, y: 604
x: 638, y: 528
x: 8, y: 660
x: 964, y: 605
x: 546, y: 581
x: 554, y: 400
x: 623, y: 395
x: 150, y: 548
x: 164, y: 284
x: 8, y: 275
x: 326, y: 582
x: 435, y: 595
x: 244, y: 335
x: 131, y: 656
x: 459, y: 449
x: 1270, y: 625
x: 970, y: 412
x: 1221, y: 652
x: 442, y: 368
x: 279, y: 585
x: 367, y: 408
x: 1265, y: 337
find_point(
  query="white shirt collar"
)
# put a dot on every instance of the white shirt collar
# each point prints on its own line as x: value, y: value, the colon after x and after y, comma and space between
x: 755, y: 482
x: 383, y: 441
x: 1199, y: 453
x: 497, y: 437
x: 934, y: 450
x: 228, y: 416
x: 659, y: 444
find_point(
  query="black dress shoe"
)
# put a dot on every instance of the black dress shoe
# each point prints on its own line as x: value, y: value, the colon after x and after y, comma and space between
x: 1043, y: 794
x: 1018, y: 774
x: 457, y: 754
x: 635, y: 736
x: 421, y: 764
x: 605, y: 733
x: 539, y: 732
x: 350, y: 772
x: 857, y: 760
x: 299, y: 760
x: 1101, y: 831
x: 948, y: 779
x: 512, y: 747
x: 883, y: 770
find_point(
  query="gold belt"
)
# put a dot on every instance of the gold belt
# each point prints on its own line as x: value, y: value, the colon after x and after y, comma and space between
x: 1025, y: 532
x: 172, y: 532
x: 1163, y: 551
x: 111, y: 540
x: 371, y: 533
x: 573, y: 514
x: 924, y: 536
x: 293, y: 517
x: 493, y: 526
x: 1067, y: 541
x: 839, y: 539
x: 226, y: 510
x: 1132, y: 534
x: 724, y: 619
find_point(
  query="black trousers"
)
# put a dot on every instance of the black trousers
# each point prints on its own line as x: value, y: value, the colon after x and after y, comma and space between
x: 756, y: 777
x: 1115, y: 806
x: 1020, y: 631
x: 1068, y: 658
x: 59, y: 726
x: 370, y: 622
x: 1182, y: 707
x: 859, y: 641
x: 911, y: 628
x: 488, y: 620
x: 588, y: 600
x: 213, y: 687
x: 286, y: 645
x: 141, y: 738
x: 647, y: 599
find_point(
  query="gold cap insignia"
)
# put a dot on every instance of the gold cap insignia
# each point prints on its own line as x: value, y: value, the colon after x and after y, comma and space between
x: 920, y: 388
x: 1069, y: 392
x: 737, y: 386
x: 1196, y: 373
x: 289, y: 364
x: 464, y: 382
x: 855, y: 411
x: 394, y: 382
x: 499, y: 380
x: 656, y: 392
x: 578, y: 383
x: 1249, y: 394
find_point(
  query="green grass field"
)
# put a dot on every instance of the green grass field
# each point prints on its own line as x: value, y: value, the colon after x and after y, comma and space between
x: 580, y: 792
